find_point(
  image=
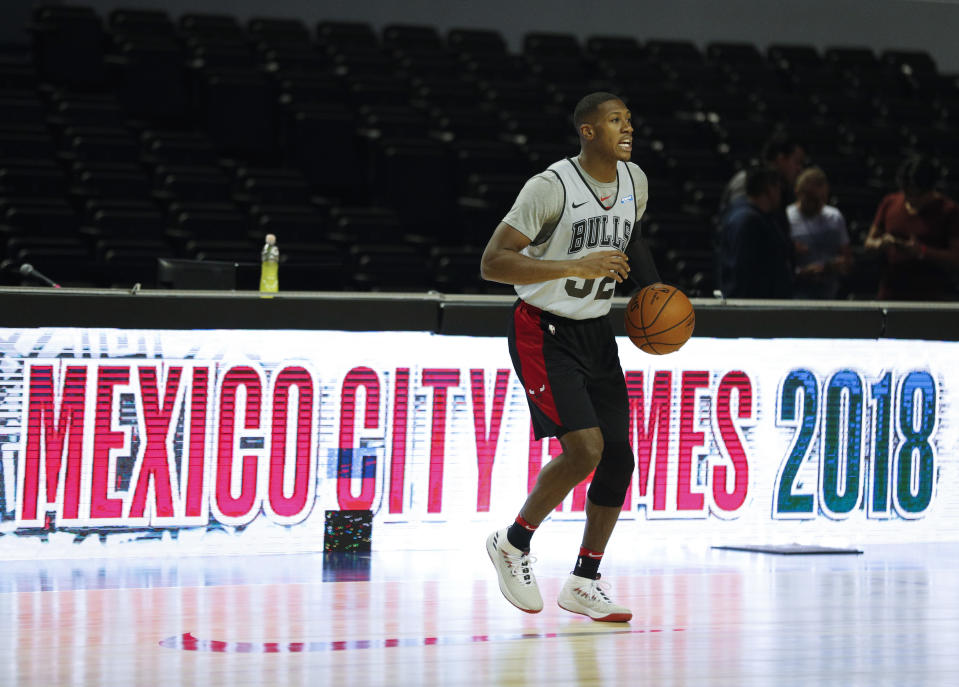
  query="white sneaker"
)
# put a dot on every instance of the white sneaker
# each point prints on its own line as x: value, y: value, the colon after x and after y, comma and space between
x: 516, y: 578
x: 588, y: 597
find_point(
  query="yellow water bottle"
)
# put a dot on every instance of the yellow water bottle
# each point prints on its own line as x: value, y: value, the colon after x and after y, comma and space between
x: 270, y: 266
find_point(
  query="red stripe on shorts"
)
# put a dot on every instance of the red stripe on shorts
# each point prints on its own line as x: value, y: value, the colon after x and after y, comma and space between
x: 529, y: 346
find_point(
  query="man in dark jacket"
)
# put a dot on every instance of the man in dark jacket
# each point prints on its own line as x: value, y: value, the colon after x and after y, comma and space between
x: 754, y: 255
x: 780, y: 152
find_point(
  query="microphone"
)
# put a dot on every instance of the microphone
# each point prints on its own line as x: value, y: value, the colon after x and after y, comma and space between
x: 28, y: 270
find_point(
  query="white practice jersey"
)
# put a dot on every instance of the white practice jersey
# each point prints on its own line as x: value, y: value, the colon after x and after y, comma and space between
x: 585, y: 226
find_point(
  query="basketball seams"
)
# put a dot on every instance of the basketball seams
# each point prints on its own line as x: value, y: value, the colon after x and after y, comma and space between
x: 690, y: 316
x: 642, y: 313
x: 661, y: 308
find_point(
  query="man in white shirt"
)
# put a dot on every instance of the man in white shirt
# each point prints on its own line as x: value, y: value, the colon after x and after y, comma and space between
x: 569, y: 238
x: 819, y: 236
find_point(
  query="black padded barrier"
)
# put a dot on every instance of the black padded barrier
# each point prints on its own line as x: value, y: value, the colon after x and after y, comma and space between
x: 929, y: 322
x: 25, y: 307
x: 443, y: 314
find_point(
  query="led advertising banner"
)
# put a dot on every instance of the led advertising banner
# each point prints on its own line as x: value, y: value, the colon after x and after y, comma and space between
x: 119, y: 442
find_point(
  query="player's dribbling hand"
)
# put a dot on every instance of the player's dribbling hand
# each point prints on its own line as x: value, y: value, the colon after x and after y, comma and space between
x: 607, y: 263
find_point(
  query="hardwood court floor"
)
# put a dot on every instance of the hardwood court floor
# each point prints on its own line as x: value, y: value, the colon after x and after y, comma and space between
x: 702, y: 617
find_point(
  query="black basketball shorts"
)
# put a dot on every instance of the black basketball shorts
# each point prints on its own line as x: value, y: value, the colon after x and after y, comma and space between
x: 570, y: 371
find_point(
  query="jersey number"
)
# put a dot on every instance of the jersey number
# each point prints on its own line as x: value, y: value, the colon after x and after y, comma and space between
x: 605, y: 291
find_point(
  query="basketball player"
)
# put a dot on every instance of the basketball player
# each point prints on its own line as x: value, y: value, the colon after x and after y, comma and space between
x: 570, y: 237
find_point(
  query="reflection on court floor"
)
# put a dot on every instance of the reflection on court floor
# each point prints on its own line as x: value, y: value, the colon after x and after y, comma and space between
x: 890, y: 616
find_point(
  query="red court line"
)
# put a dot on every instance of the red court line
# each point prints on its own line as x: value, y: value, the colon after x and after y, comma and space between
x: 187, y: 642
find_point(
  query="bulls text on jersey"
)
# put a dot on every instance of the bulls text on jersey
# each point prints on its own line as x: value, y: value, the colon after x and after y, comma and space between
x: 596, y: 231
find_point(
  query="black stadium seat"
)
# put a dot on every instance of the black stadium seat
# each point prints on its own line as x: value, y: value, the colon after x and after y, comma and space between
x: 476, y: 41
x: 456, y: 269
x: 239, y: 114
x: 353, y: 225
x: 737, y: 54
x: 150, y: 79
x: 399, y: 168
x: 614, y: 47
x: 347, y: 34
x: 41, y: 179
x: 113, y: 181
x: 264, y: 185
x: 233, y: 250
x: 331, y: 163
x: 279, y: 32
x: 211, y: 222
x: 69, y: 46
x: 389, y: 267
x: 793, y: 56
x: 412, y: 37
x: 131, y: 22
x: 193, y: 183
x: 674, y: 51
x: 38, y: 217
x: 139, y: 221
x: 125, y: 263
x: 66, y: 260
x: 18, y: 108
x: 17, y: 69
x: 94, y: 144
x: 210, y: 28
x: 293, y: 222
x: 177, y: 148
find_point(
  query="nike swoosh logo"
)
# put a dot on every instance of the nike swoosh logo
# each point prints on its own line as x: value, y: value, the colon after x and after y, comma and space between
x: 577, y: 205
x: 606, y: 197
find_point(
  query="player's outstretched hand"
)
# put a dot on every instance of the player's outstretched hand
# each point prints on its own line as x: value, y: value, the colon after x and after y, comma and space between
x: 607, y: 263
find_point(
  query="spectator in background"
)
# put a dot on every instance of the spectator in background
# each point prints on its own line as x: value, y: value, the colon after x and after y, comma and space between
x: 782, y: 153
x: 819, y: 236
x: 754, y: 253
x: 917, y: 228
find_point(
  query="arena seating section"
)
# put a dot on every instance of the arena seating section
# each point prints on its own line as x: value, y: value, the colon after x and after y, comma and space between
x: 383, y: 159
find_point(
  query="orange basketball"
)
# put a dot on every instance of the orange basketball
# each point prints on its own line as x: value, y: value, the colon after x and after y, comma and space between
x: 659, y: 319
